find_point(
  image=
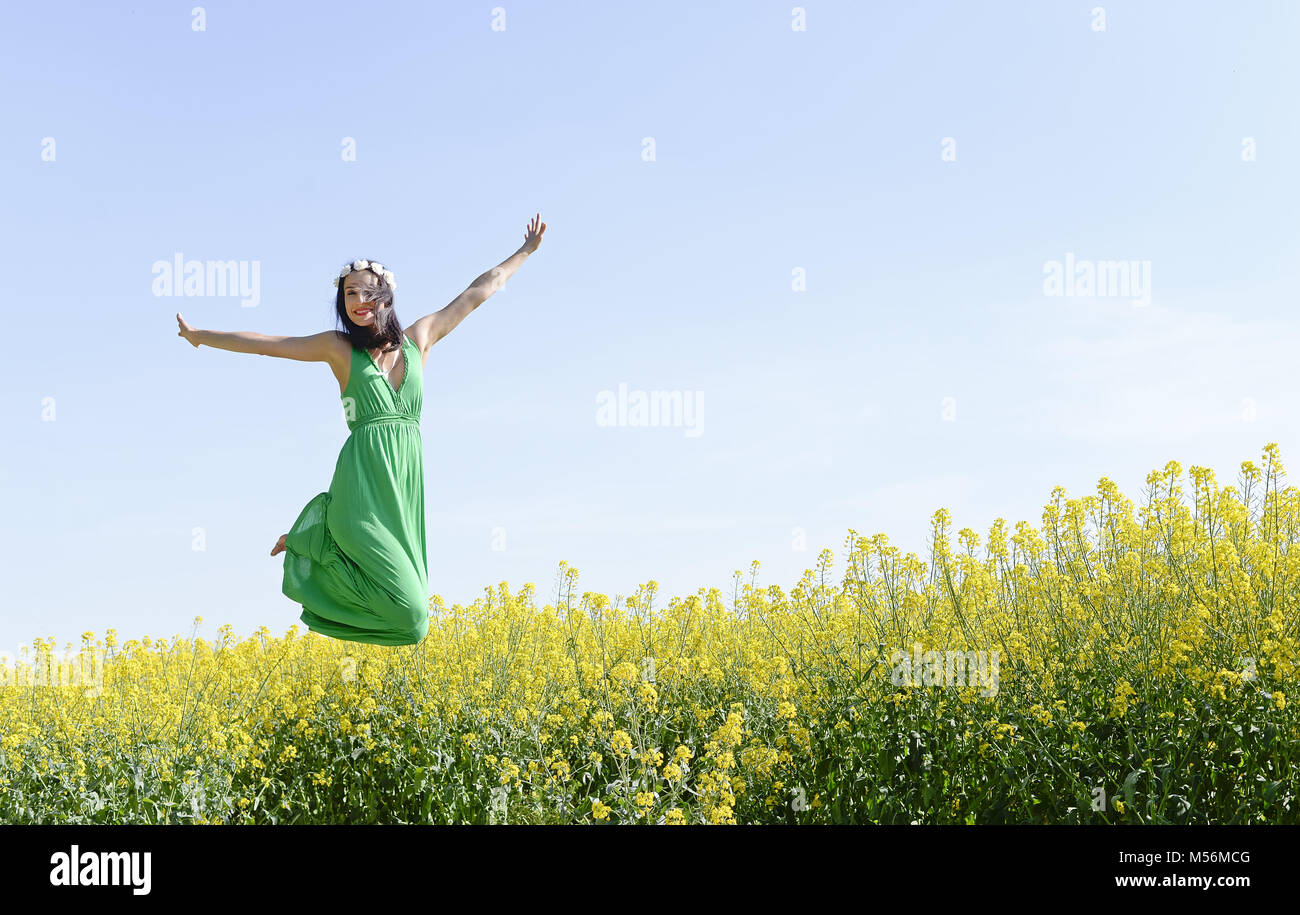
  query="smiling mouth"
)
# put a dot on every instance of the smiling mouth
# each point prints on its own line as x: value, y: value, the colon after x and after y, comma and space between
x: 361, y: 313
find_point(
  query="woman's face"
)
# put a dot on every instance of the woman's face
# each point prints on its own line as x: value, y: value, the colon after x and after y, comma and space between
x: 357, y: 287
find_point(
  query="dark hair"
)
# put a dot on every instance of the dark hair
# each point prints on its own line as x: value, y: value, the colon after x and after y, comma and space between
x: 386, y: 332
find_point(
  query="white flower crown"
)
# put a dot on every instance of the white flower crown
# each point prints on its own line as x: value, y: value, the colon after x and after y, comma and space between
x: 368, y: 265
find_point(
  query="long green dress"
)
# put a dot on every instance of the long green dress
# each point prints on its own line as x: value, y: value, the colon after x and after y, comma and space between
x: 355, y: 558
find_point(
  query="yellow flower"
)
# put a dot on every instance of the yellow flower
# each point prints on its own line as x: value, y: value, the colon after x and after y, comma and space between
x: 1124, y: 692
x: 644, y: 801
x: 621, y: 742
x: 598, y: 810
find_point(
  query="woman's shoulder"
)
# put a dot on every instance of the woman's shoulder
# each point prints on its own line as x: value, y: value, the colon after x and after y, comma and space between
x: 344, y: 344
x: 410, y: 336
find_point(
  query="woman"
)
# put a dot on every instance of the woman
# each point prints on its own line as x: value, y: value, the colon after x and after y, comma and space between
x: 355, y: 557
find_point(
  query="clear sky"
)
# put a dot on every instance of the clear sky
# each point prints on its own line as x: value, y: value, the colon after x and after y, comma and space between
x: 814, y: 235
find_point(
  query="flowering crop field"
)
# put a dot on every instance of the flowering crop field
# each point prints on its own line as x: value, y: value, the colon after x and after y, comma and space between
x: 1113, y: 665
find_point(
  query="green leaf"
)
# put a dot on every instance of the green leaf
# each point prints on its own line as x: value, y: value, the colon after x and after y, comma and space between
x: 1128, y: 786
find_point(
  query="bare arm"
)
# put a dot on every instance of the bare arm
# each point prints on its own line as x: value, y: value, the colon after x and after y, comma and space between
x: 427, y: 331
x: 322, y: 347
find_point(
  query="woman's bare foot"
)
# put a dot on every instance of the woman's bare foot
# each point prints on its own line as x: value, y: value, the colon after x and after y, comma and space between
x: 279, y: 545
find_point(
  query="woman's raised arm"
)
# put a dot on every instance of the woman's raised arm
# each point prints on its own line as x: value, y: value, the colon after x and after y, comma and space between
x: 433, y: 327
x: 322, y: 347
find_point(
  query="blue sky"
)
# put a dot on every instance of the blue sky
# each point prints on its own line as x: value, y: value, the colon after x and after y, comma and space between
x: 779, y: 154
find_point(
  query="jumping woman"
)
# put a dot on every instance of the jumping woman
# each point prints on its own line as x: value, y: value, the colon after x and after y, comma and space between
x: 355, y: 558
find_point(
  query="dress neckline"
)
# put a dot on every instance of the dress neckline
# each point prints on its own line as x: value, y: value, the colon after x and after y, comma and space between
x: 406, y: 368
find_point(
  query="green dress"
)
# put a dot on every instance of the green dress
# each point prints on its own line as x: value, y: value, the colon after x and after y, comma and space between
x: 355, y: 558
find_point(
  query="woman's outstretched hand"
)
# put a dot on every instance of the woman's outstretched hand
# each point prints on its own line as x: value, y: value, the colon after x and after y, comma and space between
x: 186, y: 331
x: 533, y: 237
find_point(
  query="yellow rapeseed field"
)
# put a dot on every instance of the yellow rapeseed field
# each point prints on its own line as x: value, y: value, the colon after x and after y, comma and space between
x: 1121, y: 665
